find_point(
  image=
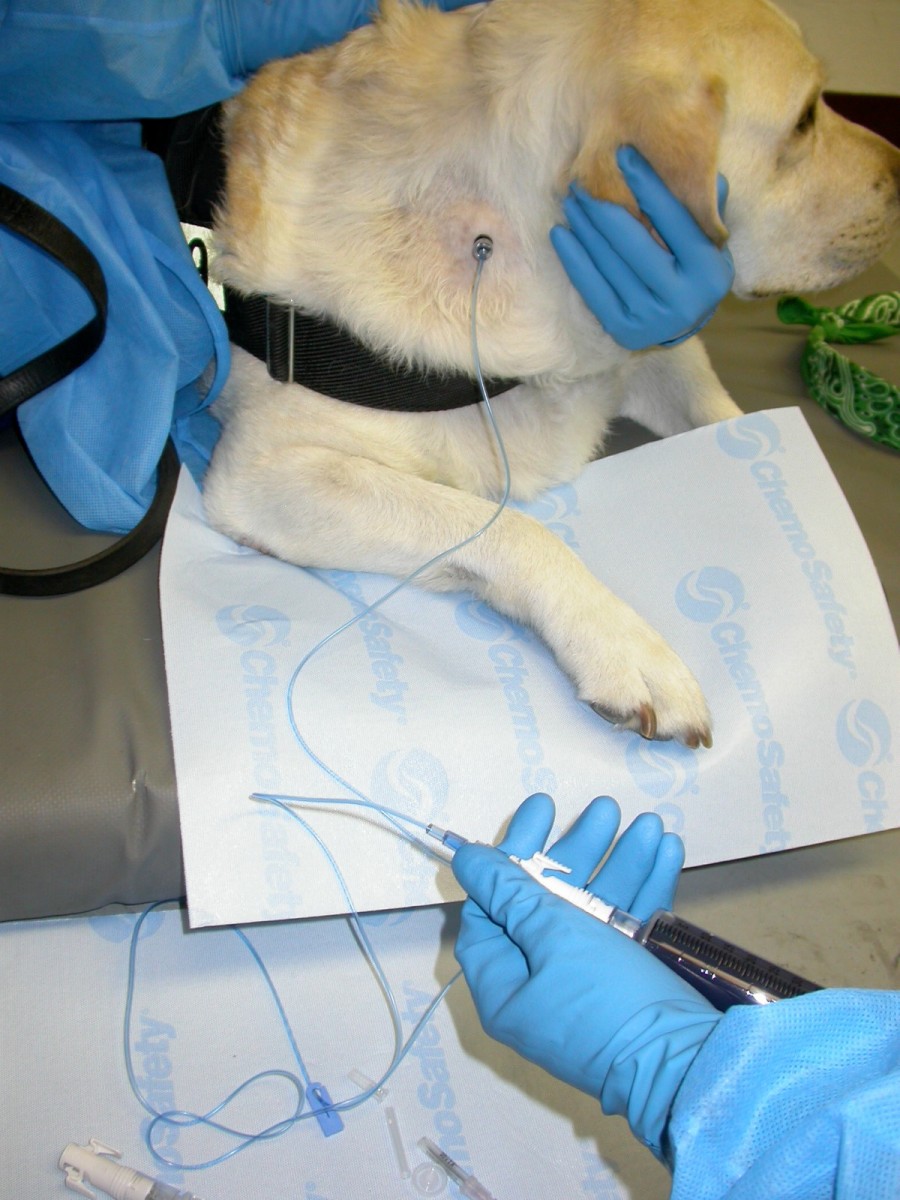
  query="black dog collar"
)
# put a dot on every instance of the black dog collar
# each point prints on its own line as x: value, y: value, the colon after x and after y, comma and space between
x: 326, y: 358
x: 294, y: 345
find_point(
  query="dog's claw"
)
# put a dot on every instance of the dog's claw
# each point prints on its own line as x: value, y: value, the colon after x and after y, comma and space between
x: 697, y: 738
x: 645, y: 722
x: 642, y: 722
x: 647, y: 715
x: 607, y: 714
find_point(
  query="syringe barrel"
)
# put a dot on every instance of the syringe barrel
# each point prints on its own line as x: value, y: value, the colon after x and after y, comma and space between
x: 722, y: 972
x: 164, y: 1191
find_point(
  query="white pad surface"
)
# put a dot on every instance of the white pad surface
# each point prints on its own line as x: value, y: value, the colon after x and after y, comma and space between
x: 735, y: 541
x: 203, y: 1022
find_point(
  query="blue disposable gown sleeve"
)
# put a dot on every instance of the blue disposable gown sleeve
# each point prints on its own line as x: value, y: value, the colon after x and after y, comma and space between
x: 86, y: 60
x: 90, y: 60
x: 799, y: 1100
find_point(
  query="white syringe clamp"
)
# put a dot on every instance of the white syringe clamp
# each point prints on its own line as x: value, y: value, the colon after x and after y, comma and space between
x: 93, y: 1164
x: 580, y: 897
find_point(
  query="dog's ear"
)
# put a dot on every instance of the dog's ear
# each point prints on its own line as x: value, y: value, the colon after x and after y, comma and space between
x: 676, y: 126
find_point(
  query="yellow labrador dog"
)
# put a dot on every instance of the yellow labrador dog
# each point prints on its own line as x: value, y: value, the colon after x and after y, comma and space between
x: 359, y: 176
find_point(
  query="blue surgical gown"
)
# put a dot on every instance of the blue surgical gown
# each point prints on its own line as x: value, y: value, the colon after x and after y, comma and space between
x: 75, y: 77
x: 798, y: 1100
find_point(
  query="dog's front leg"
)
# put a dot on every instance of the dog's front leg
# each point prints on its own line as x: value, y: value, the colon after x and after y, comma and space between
x: 673, y: 390
x: 322, y: 508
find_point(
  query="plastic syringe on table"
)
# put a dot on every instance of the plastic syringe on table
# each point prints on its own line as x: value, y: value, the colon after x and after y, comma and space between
x: 96, y: 1164
x: 469, y: 1186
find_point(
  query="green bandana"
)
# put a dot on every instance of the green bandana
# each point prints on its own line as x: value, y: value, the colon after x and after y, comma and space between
x: 860, y: 400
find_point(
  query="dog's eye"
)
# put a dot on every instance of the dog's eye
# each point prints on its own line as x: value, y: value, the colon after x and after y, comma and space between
x: 808, y: 119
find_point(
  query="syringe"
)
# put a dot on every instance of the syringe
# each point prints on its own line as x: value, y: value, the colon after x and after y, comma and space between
x: 95, y: 1164
x: 722, y: 972
x: 468, y: 1185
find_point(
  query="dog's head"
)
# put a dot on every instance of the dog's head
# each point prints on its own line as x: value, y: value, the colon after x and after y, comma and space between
x: 729, y: 86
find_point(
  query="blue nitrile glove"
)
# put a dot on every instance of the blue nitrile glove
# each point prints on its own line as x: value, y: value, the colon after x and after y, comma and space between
x: 269, y: 29
x: 640, y: 292
x: 569, y: 993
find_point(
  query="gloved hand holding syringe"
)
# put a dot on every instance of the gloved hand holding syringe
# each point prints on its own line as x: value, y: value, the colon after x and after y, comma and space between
x: 724, y: 973
x: 574, y: 959
x: 554, y: 949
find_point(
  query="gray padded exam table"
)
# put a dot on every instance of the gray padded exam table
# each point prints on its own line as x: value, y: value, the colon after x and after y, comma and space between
x: 88, y: 806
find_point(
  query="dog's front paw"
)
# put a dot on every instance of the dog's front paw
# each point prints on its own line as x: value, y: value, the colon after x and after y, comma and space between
x: 643, y: 685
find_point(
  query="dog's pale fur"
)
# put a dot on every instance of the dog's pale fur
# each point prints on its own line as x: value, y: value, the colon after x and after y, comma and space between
x: 358, y: 178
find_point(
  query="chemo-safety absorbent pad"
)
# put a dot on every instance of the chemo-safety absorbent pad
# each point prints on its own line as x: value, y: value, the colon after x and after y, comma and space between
x: 734, y: 541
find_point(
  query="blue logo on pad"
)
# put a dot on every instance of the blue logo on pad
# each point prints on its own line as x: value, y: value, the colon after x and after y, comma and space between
x: 709, y: 594
x: 753, y: 436
x: 253, y: 625
x: 661, y: 768
x: 863, y: 733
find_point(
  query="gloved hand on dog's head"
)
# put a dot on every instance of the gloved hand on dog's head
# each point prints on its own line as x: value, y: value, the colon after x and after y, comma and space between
x: 582, y: 1000
x: 641, y: 293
